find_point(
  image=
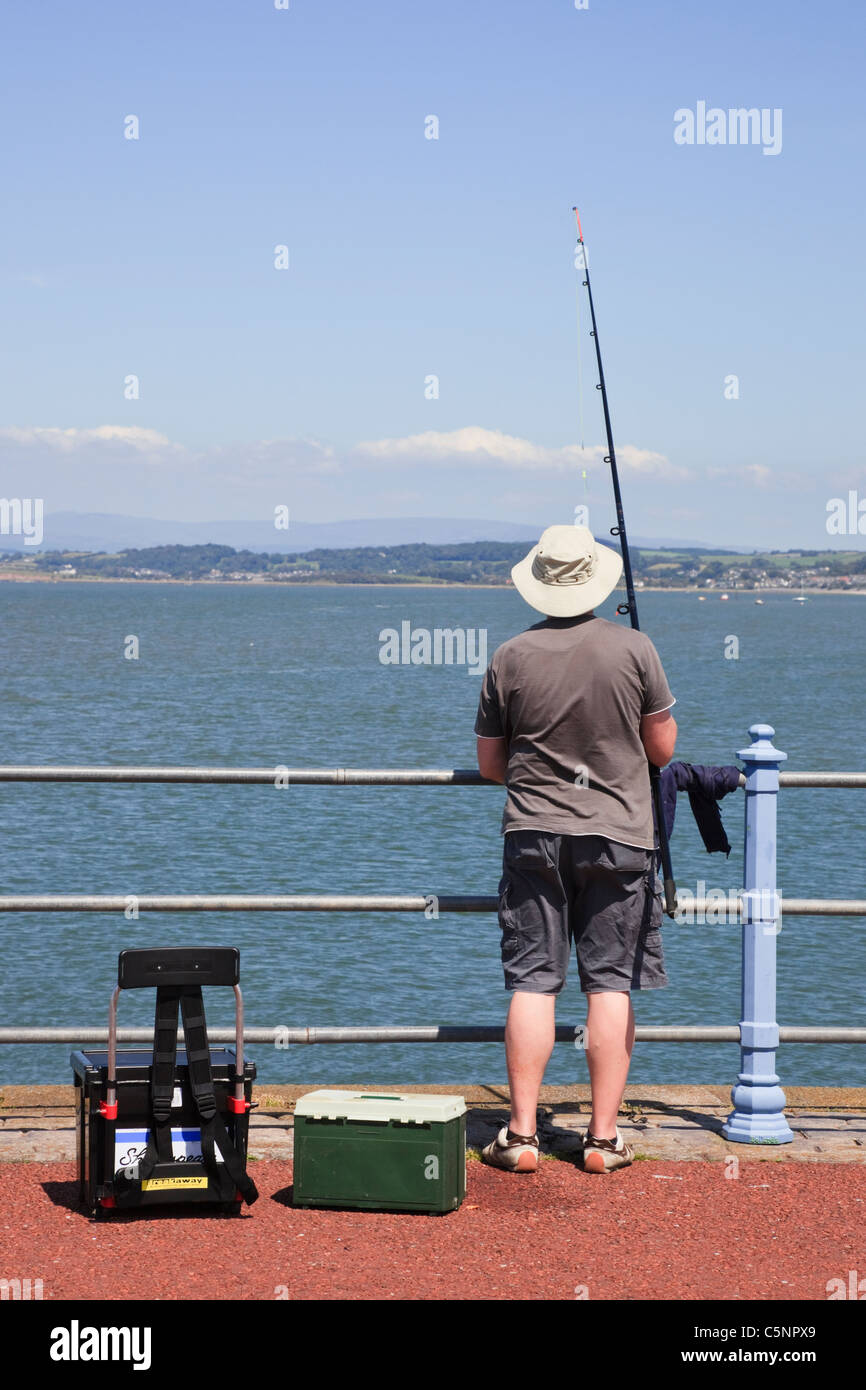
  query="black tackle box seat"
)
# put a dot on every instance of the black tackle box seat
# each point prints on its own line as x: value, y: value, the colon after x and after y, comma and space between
x: 96, y: 1167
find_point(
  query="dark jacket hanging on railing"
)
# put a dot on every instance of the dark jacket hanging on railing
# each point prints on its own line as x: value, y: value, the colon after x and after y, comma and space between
x: 705, y: 786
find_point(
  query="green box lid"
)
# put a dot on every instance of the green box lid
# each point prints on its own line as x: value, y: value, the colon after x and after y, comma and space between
x: 380, y: 1106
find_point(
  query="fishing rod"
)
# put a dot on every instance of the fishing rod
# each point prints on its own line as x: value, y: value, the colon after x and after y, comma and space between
x: 630, y: 606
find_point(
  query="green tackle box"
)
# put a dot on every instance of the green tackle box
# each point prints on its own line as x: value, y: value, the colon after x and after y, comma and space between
x: 397, y: 1152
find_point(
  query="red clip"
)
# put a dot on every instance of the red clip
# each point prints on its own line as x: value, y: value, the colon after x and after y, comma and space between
x: 237, y: 1107
x: 108, y: 1112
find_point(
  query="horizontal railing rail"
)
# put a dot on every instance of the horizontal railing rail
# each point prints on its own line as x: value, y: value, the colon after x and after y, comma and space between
x: 332, y: 776
x: 283, y: 1037
x: 366, y: 902
x: 245, y: 776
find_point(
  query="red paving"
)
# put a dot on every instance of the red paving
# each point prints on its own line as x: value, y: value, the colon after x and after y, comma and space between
x: 654, y: 1231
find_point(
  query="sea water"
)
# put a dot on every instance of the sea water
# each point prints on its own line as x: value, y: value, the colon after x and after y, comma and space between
x: 269, y: 676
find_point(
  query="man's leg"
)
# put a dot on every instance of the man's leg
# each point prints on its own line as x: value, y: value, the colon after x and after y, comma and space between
x: 529, y: 1038
x: 610, y: 1030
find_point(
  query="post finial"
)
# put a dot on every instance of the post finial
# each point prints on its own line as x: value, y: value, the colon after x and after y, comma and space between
x: 761, y: 749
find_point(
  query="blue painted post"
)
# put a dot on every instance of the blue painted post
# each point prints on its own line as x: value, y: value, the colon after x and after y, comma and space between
x: 758, y: 1116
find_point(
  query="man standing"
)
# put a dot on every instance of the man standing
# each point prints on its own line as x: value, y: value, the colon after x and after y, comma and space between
x: 569, y: 712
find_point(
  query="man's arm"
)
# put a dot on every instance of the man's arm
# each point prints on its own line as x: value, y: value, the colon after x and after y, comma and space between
x: 492, y: 758
x: 658, y: 734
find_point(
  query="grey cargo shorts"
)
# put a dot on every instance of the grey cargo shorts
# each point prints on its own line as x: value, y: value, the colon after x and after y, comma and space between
x: 601, y: 894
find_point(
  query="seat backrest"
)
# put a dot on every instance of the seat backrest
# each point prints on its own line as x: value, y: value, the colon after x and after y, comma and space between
x: 178, y: 965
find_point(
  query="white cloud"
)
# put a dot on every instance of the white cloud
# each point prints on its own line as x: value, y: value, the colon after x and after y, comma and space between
x: 491, y: 448
x: 480, y: 444
x: 648, y: 463
x: 69, y: 441
x: 139, y: 470
x: 472, y: 445
x: 760, y: 476
x: 106, y: 446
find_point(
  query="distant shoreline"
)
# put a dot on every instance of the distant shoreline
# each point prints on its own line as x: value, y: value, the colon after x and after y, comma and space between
x: 408, y: 584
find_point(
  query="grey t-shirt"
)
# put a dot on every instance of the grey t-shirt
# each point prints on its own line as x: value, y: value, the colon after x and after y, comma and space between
x: 568, y: 696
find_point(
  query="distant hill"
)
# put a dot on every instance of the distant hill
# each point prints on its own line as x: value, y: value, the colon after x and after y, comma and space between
x: 106, y: 532
x: 472, y: 562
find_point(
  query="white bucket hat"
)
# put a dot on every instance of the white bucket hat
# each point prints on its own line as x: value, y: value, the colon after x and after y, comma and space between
x: 567, y: 573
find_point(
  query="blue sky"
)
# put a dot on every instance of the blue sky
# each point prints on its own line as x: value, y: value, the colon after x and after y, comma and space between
x: 410, y: 257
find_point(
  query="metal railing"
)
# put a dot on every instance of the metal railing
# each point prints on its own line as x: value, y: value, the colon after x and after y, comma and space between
x: 758, y: 1115
x: 358, y: 902
x: 330, y: 776
x: 280, y: 1036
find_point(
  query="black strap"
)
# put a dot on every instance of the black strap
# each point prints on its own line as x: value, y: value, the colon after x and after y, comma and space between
x: 159, y: 1147
x: 214, y: 1134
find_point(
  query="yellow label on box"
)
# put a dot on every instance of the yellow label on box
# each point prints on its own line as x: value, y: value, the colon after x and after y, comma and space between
x: 159, y: 1184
